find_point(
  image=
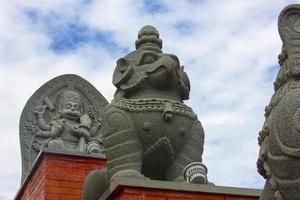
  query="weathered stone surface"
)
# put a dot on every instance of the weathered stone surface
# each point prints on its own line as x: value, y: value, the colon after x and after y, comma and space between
x: 148, y: 132
x: 64, y: 114
x: 279, y: 140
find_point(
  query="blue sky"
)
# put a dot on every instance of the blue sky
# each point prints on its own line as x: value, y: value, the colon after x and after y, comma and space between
x: 229, y: 50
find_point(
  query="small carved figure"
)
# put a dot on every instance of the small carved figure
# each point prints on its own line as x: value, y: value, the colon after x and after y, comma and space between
x: 148, y: 132
x: 279, y: 140
x: 69, y: 130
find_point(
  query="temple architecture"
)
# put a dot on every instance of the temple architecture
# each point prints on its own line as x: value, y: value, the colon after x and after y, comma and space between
x: 147, y: 143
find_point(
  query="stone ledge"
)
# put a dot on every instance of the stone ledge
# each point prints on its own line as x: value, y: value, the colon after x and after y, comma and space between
x: 118, y: 186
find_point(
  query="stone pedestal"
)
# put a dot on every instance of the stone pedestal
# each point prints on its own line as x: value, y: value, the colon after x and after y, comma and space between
x: 58, y: 175
x: 133, y: 189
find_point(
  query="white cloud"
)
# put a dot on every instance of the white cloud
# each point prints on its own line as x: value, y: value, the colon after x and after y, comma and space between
x: 228, y: 51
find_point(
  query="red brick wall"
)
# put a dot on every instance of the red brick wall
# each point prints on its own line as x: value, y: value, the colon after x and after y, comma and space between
x: 59, y: 176
x: 127, y: 193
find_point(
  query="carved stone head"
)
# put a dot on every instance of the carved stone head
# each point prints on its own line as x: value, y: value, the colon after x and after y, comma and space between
x: 70, y: 105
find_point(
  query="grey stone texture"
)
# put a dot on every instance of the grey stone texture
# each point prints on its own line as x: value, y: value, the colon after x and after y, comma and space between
x: 148, y: 132
x: 279, y: 140
x: 64, y: 114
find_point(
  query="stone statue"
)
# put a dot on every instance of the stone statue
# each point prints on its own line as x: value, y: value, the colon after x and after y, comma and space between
x: 148, y: 132
x: 64, y: 115
x: 279, y: 140
x: 69, y: 130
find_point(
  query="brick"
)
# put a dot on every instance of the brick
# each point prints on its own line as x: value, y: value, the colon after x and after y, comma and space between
x: 72, y: 158
x: 63, y: 191
x: 64, y: 184
x: 50, y: 157
x: 239, y: 198
x: 195, y: 197
x: 94, y: 166
x: 66, y: 164
x: 62, y: 197
x: 96, y: 161
x: 67, y: 174
x: 59, y: 177
x: 132, y: 197
x: 154, y: 197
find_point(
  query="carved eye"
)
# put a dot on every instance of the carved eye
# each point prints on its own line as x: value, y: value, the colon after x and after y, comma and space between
x: 68, y: 106
x: 76, y: 107
x: 148, y: 58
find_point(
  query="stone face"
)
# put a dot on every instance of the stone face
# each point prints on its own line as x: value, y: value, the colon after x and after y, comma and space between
x: 64, y: 114
x: 148, y: 132
x: 279, y: 140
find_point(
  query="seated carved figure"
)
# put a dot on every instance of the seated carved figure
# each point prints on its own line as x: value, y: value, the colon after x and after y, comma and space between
x: 69, y: 130
x: 148, y: 132
x: 279, y: 140
x: 63, y: 115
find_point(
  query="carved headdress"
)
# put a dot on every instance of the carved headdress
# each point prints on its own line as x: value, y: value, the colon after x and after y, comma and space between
x: 70, y: 95
x: 148, y: 39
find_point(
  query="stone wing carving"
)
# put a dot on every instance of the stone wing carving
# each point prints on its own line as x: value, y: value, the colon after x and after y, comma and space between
x: 64, y: 114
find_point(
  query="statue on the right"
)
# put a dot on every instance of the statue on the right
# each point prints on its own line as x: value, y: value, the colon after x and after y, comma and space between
x: 279, y: 139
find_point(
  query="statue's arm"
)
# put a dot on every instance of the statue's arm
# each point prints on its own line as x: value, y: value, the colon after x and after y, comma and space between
x: 56, y: 129
x: 43, y: 125
x: 81, y: 131
x: 41, y: 120
x: 46, y: 134
x: 85, y: 133
x: 95, y: 127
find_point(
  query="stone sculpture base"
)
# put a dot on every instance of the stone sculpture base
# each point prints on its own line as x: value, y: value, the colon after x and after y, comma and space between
x: 58, y: 175
x: 133, y: 189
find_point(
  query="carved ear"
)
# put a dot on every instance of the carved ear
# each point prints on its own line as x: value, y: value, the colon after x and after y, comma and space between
x: 122, y: 72
x: 175, y: 58
x: 122, y: 64
x: 184, y: 82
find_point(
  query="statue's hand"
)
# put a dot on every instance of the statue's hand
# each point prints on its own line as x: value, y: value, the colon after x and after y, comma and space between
x: 44, y: 134
x: 36, y: 147
x: 81, y: 131
x: 76, y: 131
x: 39, y: 133
x: 86, y: 121
x: 97, y: 122
x: 84, y: 133
x: 40, y: 110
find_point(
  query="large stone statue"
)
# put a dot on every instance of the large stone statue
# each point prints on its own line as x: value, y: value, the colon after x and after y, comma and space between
x: 279, y: 140
x: 64, y: 115
x: 148, y: 132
